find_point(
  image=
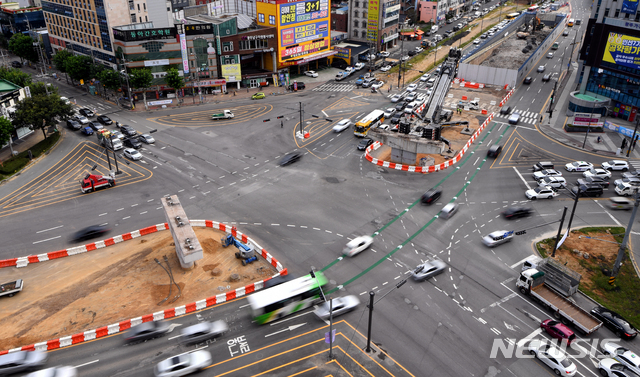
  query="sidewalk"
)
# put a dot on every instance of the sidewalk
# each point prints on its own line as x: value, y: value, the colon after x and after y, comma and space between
x: 611, y: 140
x: 22, y: 145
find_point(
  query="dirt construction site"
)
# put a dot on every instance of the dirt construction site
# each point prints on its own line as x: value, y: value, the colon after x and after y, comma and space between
x: 66, y: 296
x: 508, y: 54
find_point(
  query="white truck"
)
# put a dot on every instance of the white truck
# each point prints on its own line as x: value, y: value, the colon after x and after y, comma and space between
x: 626, y: 189
x: 107, y: 139
x: 472, y: 105
x: 533, y: 282
x: 226, y: 114
x: 11, y: 288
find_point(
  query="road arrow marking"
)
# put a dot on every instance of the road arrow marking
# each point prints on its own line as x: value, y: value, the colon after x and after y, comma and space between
x: 290, y: 328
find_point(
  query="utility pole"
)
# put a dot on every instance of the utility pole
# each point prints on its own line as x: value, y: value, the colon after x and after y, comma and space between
x: 553, y: 255
x: 301, y: 119
x: 401, y: 56
x: 553, y: 95
x: 372, y: 294
x: 575, y: 203
x: 635, y: 130
x: 623, y: 245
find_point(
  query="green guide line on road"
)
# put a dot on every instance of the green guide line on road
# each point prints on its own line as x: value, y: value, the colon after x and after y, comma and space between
x: 424, y: 226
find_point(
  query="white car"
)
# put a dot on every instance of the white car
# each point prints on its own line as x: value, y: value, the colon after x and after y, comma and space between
x: 405, y: 58
x: 349, y: 70
x: 311, y: 73
x: 615, y: 165
x: 147, y: 139
x: 623, y: 355
x: 384, y: 54
x: 541, y: 68
x: 412, y: 87
x: 396, y: 98
x: 555, y: 182
x: 593, y: 172
x: 552, y: 357
x: 388, y: 113
x: 546, y: 173
x: 341, y: 305
x: 132, y: 154
x: 613, y: 368
x: 419, y: 49
x: 359, y: 66
x: 183, y: 364
x: 356, y: 245
x: 386, y: 68
x: 384, y: 127
x: 82, y: 119
x: 377, y: 85
x: 425, y: 77
x: 578, y: 166
x: 477, y: 41
x: 64, y: 371
x: 342, y: 125
x: 540, y: 193
x: 497, y: 238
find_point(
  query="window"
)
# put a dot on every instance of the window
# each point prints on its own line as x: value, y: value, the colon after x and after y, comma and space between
x: 227, y: 46
x: 356, y: 14
x: 364, y: 14
x: 138, y: 7
x: 606, y: 12
x: 144, y: 6
x: 272, y: 20
x: 357, y: 4
x: 260, y: 17
x: 364, y: 24
x: 364, y: 34
x: 617, y: 13
x: 356, y: 23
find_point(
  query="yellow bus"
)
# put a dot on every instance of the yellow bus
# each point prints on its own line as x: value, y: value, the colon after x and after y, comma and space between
x: 511, y: 16
x: 372, y: 120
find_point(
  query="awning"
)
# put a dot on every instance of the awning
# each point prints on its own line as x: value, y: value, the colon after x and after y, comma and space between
x: 311, y: 58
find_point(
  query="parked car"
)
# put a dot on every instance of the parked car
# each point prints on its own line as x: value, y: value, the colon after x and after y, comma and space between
x: 516, y: 212
x: 132, y: 154
x: 616, y: 165
x: 578, y: 166
x: 623, y: 355
x: 552, y: 357
x: 90, y: 232
x: 597, y: 173
x: 183, y: 364
x: 615, y: 322
x: 342, y: 125
x: 203, y: 331
x: 364, y: 143
x: 356, y: 245
x: 555, y: 182
x: 132, y: 143
x: 558, y: 330
x: 540, y: 193
x: 21, y: 361
x: 87, y: 112
x: 311, y: 73
x: 297, y: 85
x: 147, y: 139
x: 290, y: 158
x: 16, y: 64
x: 341, y: 305
x: 386, y: 68
x: 146, y: 331
x: 105, y: 120
x: 497, y: 238
x: 128, y: 131
x: 428, y: 270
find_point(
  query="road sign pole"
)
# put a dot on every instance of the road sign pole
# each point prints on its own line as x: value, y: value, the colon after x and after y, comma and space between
x: 553, y: 255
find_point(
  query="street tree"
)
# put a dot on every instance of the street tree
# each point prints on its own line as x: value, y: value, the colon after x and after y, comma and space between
x: 60, y: 61
x: 141, y: 78
x: 110, y: 79
x: 15, y: 76
x: 41, y: 89
x: 22, y: 45
x: 6, y: 130
x: 40, y: 112
x: 174, y: 80
x: 79, y: 67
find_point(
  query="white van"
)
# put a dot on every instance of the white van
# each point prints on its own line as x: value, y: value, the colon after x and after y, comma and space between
x: 437, y: 38
x: 434, y: 28
x: 410, y: 107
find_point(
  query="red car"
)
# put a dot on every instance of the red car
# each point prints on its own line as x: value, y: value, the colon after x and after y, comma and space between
x: 558, y: 330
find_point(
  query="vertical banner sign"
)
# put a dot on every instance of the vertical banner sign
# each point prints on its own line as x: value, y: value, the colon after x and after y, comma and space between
x: 275, y: 79
x: 629, y: 6
x: 372, y: 26
x: 183, y: 48
x: 287, y: 78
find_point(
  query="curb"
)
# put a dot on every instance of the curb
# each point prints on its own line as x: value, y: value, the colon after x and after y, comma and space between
x: 157, y: 316
x: 426, y: 169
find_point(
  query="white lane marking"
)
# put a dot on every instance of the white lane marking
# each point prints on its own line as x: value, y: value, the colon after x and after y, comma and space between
x: 48, y: 239
x: 46, y: 230
x: 524, y: 340
x: 523, y: 180
x: 85, y: 364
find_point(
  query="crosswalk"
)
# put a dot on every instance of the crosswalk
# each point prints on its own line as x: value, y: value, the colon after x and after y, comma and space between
x: 525, y: 116
x: 332, y: 87
x: 635, y: 165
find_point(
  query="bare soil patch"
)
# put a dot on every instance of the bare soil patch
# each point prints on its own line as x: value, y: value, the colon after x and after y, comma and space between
x: 83, y: 292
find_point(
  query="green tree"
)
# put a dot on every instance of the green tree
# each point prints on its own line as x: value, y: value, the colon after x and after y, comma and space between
x: 60, y: 61
x: 79, y: 67
x: 40, y: 112
x: 22, y: 45
x: 174, y: 80
x: 109, y: 79
x: 15, y: 76
x: 6, y: 130
x: 41, y: 89
x: 141, y: 78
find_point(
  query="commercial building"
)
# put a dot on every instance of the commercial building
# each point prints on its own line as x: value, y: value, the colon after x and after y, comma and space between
x: 428, y: 11
x: 16, y: 19
x: 375, y: 22
x: 609, y: 69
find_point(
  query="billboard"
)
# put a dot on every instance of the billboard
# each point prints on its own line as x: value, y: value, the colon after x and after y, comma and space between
x: 231, y: 72
x: 343, y: 53
x: 302, y: 39
x: 372, y: 21
x: 629, y: 6
x: 303, y: 11
x: 622, y: 50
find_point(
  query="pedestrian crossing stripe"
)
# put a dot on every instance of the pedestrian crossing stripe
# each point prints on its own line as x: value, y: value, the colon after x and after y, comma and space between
x: 334, y: 88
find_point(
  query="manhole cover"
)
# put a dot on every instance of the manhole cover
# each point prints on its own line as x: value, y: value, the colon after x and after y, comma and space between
x: 332, y: 180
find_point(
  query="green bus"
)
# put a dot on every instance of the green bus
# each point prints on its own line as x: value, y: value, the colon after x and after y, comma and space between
x: 287, y: 298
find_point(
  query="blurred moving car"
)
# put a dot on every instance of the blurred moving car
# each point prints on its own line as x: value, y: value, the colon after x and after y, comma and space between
x: 497, y: 238
x: 431, y: 196
x: 428, y: 270
x: 21, y: 361
x: 63, y: 371
x: 516, y: 212
x: 183, y: 364
x: 290, y: 158
x: 87, y: 112
x: 342, y: 125
x: 341, y: 305
x: 258, y: 96
x: 357, y: 245
x: 90, y: 232
x: 448, y: 210
x: 203, y: 331
x: 146, y: 331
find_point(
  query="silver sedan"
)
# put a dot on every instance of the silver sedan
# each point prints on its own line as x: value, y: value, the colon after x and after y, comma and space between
x: 428, y: 270
x: 341, y: 305
x: 497, y: 238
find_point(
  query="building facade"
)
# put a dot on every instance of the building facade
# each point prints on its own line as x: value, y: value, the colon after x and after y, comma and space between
x: 375, y: 22
x: 428, y: 11
x: 609, y: 61
x: 17, y: 20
